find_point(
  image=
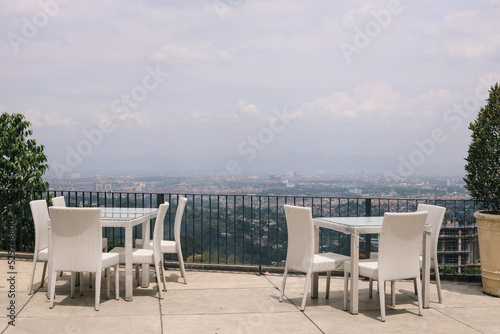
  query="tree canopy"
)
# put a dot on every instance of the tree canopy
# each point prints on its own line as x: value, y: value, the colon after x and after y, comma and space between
x: 22, y: 162
x: 483, y: 161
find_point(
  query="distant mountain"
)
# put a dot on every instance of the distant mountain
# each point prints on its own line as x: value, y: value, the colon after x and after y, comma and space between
x: 342, y: 162
x: 297, y: 161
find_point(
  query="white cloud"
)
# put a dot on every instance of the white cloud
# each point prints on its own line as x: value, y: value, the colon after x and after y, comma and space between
x: 456, y: 22
x: 16, y: 7
x: 36, y: 118
x: 245, y: 112
x: 372, y: 98
x: 175, y: 54
x: 247, y: 108
x: 197, y: 117
x: 378, y: 100
x: 353, y: 17
x: 463, y: 35
x: 138, y: 117
x: 117, y: 117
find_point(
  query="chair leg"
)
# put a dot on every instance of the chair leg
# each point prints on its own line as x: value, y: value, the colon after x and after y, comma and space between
x: 438, y: 280
x: 97, y: 289
x: 328, y: 277
x: 33, y: 267
x: 393, y: 292
x: 117, y: 281
x: 52, y: 288
x: 419, y: 294
x: 30, y: 286
x: 158, y: 278
x: 49, y: 282
x: 370, y: 287
x: 163, y: 276
x: 44, y: 270
x: 346, y: 288
x: 181, y: 265
x: 283, y: 284
x: 306, y: 287
x: 73, y: 281
x: 105, y: 250
x: 381, y: 296
x: 415, y: 285
x: 81, y: 283
x: 107, y: 273
x: 90, y: 281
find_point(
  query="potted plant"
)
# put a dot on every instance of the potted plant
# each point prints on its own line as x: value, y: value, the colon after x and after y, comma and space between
x: 482, y: 179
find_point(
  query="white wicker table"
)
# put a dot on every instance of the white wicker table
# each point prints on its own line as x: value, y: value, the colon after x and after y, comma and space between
x: 128, y: 218
x: 366, y: 225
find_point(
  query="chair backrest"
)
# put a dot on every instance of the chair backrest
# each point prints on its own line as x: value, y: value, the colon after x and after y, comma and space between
x: 40, y: 214
x: 59, y: 201
x: 75, y: 236
x: 435, y: 216
x: 400, y: 243
x: 157, y: 231
x: 181, y: 205
x: 300, y: 249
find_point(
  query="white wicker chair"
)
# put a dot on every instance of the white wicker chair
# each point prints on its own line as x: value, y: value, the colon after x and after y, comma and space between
x: 300, y: 253
x: 435, y: 220
x: 59, y: 201
x: 435, y: 216
x: 40, y: 214
x: 150, y: 256
x: 172, y: 246
x: 75, y: 245
x: 400, y: 243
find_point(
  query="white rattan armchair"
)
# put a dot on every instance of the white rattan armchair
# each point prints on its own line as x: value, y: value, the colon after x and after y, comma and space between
x: 435, y: 216
x: 59, y: 201
x: 300, y: 252
x: 40, y: 214
x: 150, y: 256
x: 435, y: 220
x: 172, y: 246
x: 398, y: 258
x: 75, y: 245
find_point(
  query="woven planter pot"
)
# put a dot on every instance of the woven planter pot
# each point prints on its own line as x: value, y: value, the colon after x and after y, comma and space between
x: 488, y: 227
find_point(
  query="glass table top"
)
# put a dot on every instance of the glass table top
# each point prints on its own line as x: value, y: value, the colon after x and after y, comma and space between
x: 355, y: 221
x: 125, y: 213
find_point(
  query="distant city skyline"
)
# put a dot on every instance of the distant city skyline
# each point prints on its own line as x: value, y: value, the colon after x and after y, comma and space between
x: 248, y: 81
x: 289, y: 184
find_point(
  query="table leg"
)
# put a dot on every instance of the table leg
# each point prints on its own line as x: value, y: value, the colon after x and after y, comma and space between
x: 354, y: 272
x: 128, y: 264
x: 426, y: 267
x: 315, y: 276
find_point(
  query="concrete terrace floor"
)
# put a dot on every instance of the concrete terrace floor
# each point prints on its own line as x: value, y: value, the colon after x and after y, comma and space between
x: 236, y: 302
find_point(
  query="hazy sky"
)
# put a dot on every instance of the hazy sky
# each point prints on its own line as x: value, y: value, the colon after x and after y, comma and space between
x: 249, y: 78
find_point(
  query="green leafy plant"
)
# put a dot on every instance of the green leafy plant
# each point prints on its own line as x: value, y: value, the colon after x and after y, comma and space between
x: 22, y: 166
x: 22, y: 161
x: 483, y: 161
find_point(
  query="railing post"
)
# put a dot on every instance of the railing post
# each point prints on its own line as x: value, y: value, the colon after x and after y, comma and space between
x: 160, y: 199
x: 2, y: 246
x: 368, y: 237
x: 260, y: 236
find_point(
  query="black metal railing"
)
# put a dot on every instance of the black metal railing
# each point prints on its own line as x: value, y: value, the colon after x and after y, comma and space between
x: 250, y: 230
